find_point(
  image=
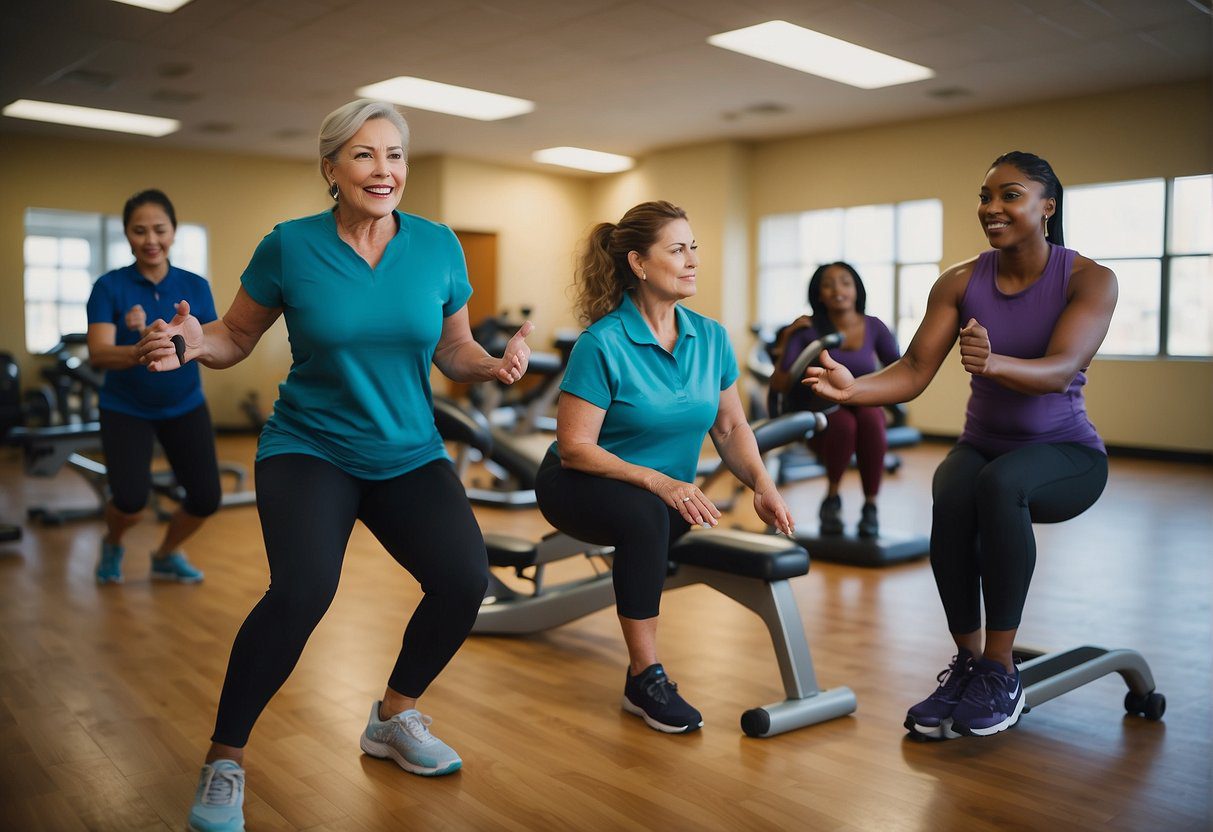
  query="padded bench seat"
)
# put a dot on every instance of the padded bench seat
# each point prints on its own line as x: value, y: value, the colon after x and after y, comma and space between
x: 514, y: 552
x: 750, y: 555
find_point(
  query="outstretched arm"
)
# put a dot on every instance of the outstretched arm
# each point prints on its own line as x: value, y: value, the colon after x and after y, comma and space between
x: 906, y: 378
x: 461, y: 359
x: 1075, y: 339
x: 217, y: 345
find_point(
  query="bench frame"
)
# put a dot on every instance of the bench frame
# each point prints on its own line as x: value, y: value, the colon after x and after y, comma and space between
x: 505, y: 612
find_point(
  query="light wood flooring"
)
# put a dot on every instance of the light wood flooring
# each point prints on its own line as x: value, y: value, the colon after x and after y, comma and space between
x: 107, y: 695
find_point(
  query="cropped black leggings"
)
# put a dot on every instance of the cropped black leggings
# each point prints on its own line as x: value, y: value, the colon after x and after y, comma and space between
x: 308, y: 507
x: 189, y: 444
x: 982, y: 544
x: 610, y: 512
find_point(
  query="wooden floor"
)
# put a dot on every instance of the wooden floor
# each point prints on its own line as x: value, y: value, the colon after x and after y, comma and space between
x: 107, y: 695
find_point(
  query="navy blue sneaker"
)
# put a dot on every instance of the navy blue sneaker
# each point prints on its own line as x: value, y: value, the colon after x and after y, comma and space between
x: 830, y: 515
x: 654, y: 698
x: 932, y: 717
x: 992, y: 701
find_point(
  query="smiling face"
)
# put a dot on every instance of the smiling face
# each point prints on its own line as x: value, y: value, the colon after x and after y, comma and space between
x: 370, y: 171
x: 668, y: 268
x: 150, y: 233
x: 1012, y: 208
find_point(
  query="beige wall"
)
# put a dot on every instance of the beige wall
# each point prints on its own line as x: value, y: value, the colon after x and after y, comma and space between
x: 237, y: 198
x: 1152, y: 132
x: 541, y: 217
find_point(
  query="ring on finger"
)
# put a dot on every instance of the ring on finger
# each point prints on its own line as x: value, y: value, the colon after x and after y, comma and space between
x: 686, y: 499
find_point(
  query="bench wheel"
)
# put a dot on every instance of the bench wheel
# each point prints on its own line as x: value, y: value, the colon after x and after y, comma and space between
x: 1152, y: 706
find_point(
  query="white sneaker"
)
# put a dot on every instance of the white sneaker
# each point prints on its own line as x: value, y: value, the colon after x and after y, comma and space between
x: 406, y: 738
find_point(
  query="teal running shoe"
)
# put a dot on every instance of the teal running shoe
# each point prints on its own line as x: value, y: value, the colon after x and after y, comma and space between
x: 175, y: 567
x: 109, y: 565
x: 219, y: 800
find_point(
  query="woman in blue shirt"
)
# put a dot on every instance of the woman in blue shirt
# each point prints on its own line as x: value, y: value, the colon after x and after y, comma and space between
x: 646, y: 382
x: 138, y: 406
x: 371, y: 297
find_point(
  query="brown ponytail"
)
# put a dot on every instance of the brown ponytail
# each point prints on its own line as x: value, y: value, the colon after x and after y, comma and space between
x: 603, y: 273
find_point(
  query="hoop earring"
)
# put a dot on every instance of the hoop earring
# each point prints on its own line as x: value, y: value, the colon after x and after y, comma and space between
x: 334, y: 191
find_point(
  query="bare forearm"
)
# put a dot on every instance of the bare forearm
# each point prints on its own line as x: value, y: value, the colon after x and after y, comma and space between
x: 112, y: 357
x: 739, y: 451
x: 593, y: 459
x: 899, y: 382
x: 466, y: 363
x: 221, y: 347
x: 1032, y: 376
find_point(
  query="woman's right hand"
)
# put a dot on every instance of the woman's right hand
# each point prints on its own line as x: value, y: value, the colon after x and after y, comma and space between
x: 831, y: 380
x: 156, y: 350
x: 690, y: 502
x: 136, y: 318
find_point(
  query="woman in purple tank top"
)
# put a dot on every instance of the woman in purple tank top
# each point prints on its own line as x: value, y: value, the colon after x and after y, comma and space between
x: 838, y: 298
x: 1030, y: 315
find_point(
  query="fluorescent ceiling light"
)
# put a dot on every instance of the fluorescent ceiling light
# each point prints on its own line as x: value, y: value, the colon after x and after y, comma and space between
x: 582, y: 159
x: 793, y: 46
x: 88, y: 117
x: 445, y: 98
x: 156, y: 5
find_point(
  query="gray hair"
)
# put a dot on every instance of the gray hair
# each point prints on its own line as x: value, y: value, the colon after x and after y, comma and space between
x: 340, y: 126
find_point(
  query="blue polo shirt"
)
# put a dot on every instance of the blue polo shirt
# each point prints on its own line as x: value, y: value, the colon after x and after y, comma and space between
x: 135, y: 391
x: 659, y: 405
x: 362, y: 339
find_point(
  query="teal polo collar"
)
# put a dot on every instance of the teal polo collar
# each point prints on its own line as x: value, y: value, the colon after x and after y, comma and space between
x: 637, y: 328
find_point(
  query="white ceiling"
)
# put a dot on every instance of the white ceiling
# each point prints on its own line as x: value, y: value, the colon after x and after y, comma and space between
x: 257, y: 76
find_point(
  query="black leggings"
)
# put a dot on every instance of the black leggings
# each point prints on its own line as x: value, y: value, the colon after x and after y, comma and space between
x: 189, y: 445
x: 982, y: 544
x: 308, y: 507
x: 613, y: 513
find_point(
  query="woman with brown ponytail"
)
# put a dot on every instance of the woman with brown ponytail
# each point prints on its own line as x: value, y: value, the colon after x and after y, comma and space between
x: 645, y: 383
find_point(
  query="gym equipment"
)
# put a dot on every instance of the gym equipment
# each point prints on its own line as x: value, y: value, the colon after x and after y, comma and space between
x: 890, y: 547
x: 47, y: 450
x: 1045, y: 676
x: 752, y: 569
x: 512, y: 465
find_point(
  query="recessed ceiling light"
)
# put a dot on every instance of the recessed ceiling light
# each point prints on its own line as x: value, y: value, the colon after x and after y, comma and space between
x: 156, y: 5
x: 88, y: 117
x: 445, y: 98
x: 582, y: 159
x: 803, y: 49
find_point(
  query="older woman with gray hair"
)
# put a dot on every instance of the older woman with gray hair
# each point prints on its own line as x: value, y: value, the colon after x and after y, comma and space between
x: 371, y: 296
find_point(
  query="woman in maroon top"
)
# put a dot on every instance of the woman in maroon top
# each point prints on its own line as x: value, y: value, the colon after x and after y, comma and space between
x: 838, y: 298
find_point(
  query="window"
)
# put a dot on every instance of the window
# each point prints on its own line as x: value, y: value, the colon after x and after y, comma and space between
x: 65, y: 251
x: 1157, y: 235
x: 895, y: 248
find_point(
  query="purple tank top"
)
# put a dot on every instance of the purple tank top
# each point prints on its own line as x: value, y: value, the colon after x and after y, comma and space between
x: 997, y: 418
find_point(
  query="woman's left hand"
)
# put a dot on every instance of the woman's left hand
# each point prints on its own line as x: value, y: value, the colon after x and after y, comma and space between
x: 773, y: 511
x: 517, y: 355
x: 975, y: 348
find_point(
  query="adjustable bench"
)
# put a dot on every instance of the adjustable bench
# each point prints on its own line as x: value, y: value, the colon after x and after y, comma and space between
x: 752, y: 569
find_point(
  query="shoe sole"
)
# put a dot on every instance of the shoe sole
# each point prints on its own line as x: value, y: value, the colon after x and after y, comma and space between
x: 104, y: 581
x: 654, y: 724
x: 175, y: 579
x: 1009, y: 722
x: 386, y: 752
x: 942, y: 731
x: 189, y: 827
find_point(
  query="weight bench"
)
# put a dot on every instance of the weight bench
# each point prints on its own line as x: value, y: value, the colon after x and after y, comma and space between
x: 753, y: 569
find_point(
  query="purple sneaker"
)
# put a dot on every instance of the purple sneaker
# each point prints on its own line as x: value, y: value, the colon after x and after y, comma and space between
x: 932, y: 717
x: 992, y: 701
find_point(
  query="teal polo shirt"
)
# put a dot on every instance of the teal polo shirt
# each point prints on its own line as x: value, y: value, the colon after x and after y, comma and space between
x: 362, y: 339
x: 659, y: 405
